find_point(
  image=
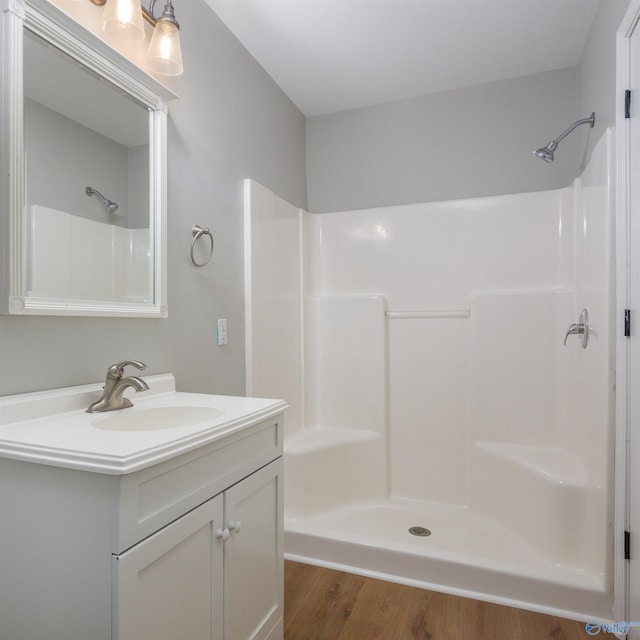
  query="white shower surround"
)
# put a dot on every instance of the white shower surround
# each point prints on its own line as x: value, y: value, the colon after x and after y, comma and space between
x: 70, y: 257
x: 420, y: 348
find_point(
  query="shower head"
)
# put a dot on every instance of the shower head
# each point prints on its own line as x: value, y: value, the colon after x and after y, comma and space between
x: 109, y: 205
x: 112, y: 207
x: 546, y: 152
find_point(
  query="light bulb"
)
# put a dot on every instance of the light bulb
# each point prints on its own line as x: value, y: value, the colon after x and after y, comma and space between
x: 122, y: 20
x: 165, y: 54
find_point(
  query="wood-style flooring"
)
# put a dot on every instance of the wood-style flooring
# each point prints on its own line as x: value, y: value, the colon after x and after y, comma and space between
x: 323, y: 604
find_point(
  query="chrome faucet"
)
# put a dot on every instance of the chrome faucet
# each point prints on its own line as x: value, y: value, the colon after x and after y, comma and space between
x: 115, y: 385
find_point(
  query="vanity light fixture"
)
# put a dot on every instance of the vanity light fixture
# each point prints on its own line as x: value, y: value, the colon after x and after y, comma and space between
x: 123, y: 20
x: 164, y: 55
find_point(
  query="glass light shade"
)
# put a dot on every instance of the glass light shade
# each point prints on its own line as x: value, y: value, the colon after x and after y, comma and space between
x: 165, y: 54
x: 122, y: 20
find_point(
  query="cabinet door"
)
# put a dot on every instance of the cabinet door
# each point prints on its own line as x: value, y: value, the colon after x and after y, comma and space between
x: 169, y: 586
x: 254, y: 555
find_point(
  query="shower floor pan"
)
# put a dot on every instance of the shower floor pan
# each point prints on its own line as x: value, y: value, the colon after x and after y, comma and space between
x: 497, y: 565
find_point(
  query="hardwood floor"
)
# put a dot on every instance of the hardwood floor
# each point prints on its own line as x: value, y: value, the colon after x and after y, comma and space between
x: 323, y: 604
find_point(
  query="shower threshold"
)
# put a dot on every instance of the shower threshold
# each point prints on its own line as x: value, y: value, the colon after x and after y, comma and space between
x: 466, y: 554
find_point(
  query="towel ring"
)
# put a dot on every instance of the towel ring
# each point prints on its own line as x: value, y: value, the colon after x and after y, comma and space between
x: 198, y: 232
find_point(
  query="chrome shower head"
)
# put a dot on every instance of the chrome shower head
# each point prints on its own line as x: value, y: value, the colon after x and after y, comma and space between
x: 547, y: 152
x: 112, y: 207
x: 109, y: 205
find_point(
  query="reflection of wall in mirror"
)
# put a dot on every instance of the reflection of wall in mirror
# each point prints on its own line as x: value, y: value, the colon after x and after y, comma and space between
x: 64, y: 157
x: 138, y: 193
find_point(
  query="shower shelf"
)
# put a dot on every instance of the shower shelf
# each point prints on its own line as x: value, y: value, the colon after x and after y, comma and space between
x: 416, y: 315
x: 553, y: 464
x: 318, y: 438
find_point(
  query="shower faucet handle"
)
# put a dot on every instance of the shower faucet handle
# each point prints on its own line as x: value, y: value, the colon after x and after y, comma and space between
x: 580, y: 328
x: 574, y: 328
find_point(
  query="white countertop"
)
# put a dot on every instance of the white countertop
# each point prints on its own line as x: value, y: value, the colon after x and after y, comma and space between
x: 52, y: 427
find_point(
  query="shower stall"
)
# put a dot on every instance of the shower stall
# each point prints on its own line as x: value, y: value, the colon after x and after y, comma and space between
x: 440, y: 433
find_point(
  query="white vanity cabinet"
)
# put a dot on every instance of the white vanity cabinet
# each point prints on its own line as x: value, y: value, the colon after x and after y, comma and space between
x: 184, y: 544
x: 170, y: 585
x: 214, y: 573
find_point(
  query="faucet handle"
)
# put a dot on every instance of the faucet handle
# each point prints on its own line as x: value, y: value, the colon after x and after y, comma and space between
x: 116, y: 371
x: 574, y: 328
x: 581, y: 328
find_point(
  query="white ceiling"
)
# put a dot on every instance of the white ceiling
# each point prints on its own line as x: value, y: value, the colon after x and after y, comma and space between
x: 331, y: 55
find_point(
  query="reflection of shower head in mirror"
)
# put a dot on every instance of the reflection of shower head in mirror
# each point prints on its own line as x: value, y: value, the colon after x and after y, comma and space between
x: 109, y: 205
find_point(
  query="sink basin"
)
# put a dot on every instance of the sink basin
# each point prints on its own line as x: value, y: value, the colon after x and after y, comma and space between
x: 52, y: 427
x: 156, y: 418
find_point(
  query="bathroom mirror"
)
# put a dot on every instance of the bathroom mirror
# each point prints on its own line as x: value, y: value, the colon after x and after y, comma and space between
x: 84, y: 172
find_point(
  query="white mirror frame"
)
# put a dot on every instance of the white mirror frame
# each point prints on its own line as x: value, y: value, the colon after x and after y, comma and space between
x: 53, y: 25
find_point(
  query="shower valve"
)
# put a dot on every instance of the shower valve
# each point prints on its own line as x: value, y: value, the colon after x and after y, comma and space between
x: 580, y: 328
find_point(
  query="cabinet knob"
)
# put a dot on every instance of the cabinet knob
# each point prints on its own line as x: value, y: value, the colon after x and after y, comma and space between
x: 222, y: 534
x: 234, y: 526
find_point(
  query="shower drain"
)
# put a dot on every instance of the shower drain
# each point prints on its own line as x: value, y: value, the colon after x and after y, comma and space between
x: 419, y: 531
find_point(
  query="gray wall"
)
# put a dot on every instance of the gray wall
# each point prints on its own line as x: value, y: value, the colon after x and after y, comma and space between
x: 231, y: 121
x: 597, y: 67
x: 138, y: 183
x: 64, y: 157
x: 471, y: 142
